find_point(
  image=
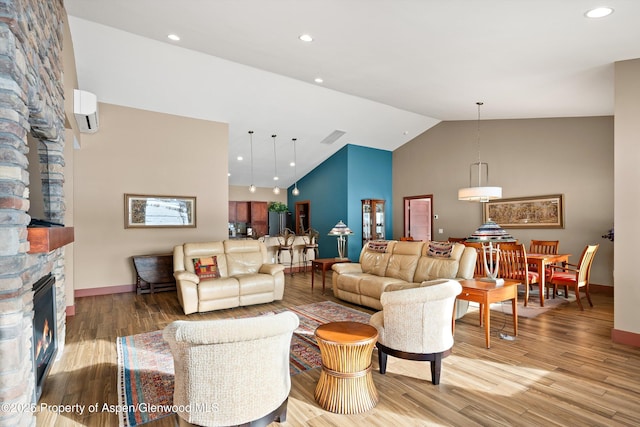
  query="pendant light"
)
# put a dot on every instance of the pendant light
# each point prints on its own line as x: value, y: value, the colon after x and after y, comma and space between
x: 252, y: 188
x: 295, y: 190
x: 276, y: 189
x: 479, y: 193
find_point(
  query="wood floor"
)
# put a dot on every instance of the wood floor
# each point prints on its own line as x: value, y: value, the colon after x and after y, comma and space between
x: 562, y: 369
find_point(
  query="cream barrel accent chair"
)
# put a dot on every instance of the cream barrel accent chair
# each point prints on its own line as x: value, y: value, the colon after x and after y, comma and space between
x: 232, y: 371
x: 416, y: 323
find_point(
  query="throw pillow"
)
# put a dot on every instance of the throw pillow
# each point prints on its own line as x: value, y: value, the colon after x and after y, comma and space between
x: 206, y: 268
x: 378, y: 246
x: 440, y: 249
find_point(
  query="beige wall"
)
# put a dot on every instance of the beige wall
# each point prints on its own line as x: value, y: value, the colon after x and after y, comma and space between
x: 71, y: 132
x: 570, y: 156
x: 627, y: 203
x: 143, y: 152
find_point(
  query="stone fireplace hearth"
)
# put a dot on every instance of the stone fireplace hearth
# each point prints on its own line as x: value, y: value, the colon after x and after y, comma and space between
x: 31, y: 103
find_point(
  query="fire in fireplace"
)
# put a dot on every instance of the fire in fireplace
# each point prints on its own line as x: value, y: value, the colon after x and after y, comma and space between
x: 45, y: 344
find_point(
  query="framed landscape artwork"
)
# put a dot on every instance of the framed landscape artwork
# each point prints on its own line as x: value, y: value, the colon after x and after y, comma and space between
x: 526, y: 212
x: 159, y: 211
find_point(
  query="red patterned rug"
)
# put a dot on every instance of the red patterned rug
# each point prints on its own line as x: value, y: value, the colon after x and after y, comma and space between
x: 145, y: 364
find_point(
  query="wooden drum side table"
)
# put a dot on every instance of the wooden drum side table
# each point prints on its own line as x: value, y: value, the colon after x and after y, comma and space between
x: 346, y: 384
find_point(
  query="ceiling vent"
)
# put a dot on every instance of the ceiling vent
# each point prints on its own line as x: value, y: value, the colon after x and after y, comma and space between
x: 333, y: 137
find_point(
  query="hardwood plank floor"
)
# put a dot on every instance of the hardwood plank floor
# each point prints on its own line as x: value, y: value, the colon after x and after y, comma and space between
x: 561, y: 370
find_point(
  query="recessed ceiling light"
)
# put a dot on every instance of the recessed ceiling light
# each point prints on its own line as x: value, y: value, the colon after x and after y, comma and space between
x: 228, y: 173
x: 173, y: 37
x: 306, y: 38
x: 318, y: 80
x: 292, y: 164
x: 240, y: 158
x: 599, y: 12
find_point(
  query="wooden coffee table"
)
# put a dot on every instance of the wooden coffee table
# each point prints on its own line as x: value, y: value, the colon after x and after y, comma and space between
x: 346, y: 384
x: 323, y: 264
x: 486, y: 293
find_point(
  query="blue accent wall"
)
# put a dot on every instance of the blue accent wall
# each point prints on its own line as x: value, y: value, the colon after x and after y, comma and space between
x: 335, y: 190
x: 370, y: 177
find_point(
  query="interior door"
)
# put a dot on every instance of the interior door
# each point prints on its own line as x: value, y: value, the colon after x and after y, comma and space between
x: 417, y: 217
x: 303, y: 217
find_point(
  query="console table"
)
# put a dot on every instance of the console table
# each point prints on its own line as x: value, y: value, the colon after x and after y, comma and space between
x: 154, y: 273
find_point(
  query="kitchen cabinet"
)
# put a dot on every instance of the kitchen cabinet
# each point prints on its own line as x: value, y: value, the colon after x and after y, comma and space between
x: 244, y: 215
x: 232, y: 212
x: 242, y: 212
x: 259, y: 218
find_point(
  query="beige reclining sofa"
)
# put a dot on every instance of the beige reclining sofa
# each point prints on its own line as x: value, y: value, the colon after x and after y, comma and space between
x: 217, y: 275
x: 383, y: 263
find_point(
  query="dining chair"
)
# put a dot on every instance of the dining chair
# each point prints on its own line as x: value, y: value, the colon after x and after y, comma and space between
x: 513, y: 265
x: 479, y: 270
x: 457, y: 239
x: 546, y: 247
x: 575, y: 276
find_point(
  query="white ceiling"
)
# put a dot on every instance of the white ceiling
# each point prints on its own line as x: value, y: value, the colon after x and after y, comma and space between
x: 391, y: 68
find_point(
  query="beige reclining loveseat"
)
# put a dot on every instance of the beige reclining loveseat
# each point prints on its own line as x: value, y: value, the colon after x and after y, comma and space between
x: 245, y: 275
x: 383, y: 263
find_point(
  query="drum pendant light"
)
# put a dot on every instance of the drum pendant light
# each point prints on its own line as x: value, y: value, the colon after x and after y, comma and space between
x: 479, y: 193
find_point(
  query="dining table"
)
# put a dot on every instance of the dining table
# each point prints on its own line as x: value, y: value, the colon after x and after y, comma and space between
x: 542, y: 261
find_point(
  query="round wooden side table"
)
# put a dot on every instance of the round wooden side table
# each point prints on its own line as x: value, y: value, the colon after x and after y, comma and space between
x: 346, y: 384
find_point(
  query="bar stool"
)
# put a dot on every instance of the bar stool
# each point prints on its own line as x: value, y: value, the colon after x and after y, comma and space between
x: 310, y: 244
x: 285, y: 243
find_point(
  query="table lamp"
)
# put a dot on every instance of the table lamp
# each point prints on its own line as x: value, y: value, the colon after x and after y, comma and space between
x: 341, y: 230
x: 490, y: 234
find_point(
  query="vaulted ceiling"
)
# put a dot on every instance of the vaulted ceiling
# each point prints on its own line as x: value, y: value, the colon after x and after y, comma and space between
x: 391, y: 69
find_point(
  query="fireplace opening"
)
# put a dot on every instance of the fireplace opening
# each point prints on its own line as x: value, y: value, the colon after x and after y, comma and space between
x: 45, y: 340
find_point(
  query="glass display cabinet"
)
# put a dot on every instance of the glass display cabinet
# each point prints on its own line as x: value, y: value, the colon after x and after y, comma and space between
x: 372, y: 220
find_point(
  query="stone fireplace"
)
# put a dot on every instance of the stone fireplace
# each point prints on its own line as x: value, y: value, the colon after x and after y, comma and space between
x: 31, y: 103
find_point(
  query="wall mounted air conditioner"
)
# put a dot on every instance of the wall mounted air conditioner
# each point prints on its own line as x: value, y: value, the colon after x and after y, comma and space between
x: 85, y: 108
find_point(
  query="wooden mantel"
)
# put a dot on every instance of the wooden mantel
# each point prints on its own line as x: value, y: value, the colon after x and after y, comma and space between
x: 47, y: 239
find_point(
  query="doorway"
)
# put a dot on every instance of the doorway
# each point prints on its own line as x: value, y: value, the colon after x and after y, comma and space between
x: 417, y: 217
x: 303, y: 217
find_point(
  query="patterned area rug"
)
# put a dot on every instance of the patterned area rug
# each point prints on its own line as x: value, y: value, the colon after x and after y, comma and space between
x: 145, y: 364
